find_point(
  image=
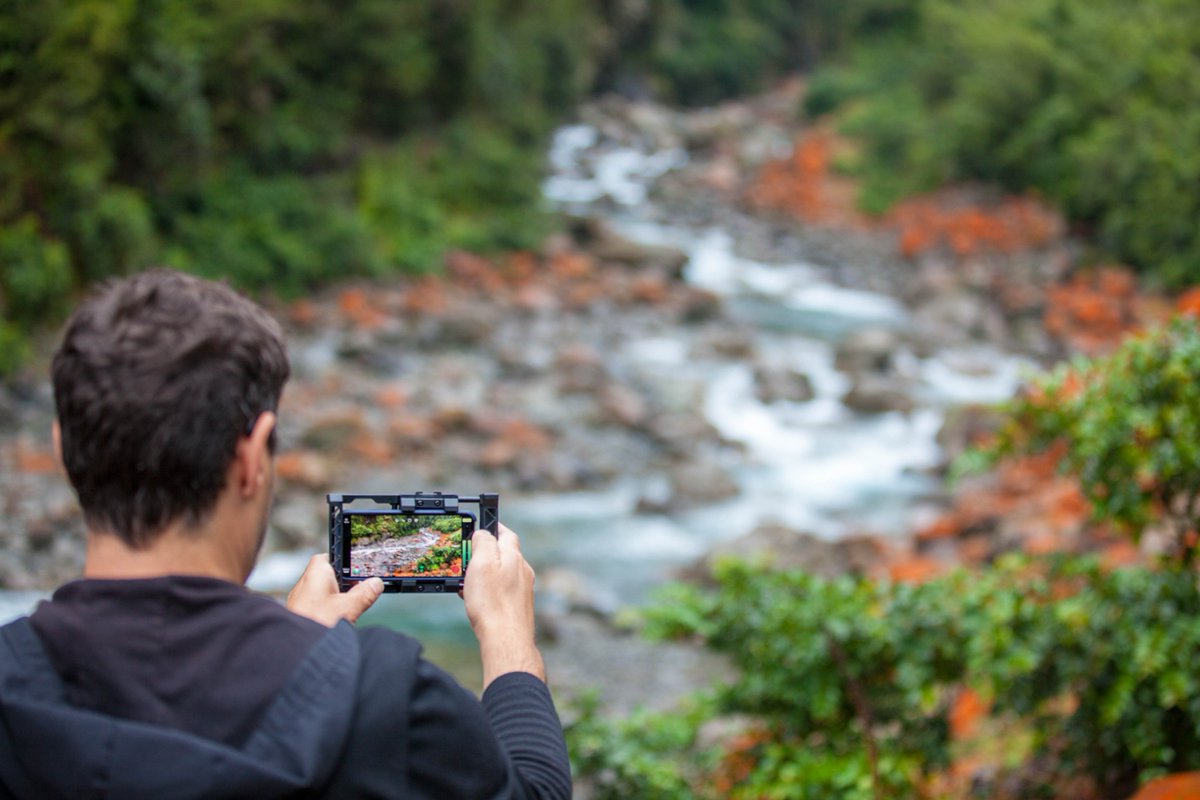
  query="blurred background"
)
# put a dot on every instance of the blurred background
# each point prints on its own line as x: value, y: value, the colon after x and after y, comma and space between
x: 890, y: 299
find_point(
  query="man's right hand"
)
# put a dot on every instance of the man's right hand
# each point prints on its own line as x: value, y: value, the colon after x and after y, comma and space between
x: 498, y: 591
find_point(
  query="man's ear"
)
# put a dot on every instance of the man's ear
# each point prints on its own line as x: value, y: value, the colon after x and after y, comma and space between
x: 254, y: 455
x: 56, y: 435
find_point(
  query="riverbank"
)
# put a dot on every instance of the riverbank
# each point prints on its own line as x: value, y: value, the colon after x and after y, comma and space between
x: 718, y: 354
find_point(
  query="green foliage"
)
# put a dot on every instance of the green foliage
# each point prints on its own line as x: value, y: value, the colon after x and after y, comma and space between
x: 632, y: 757
x: 447, y: 524
x: 850, y: 680
x: 438, y: 558
x: 1129, y: 427
x: 1093, y: 104
x: 376, y: 527
x: 35, y: 274
x: 284, y: 144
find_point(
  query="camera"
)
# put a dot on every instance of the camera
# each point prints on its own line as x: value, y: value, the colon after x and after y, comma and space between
x: 418, y: 542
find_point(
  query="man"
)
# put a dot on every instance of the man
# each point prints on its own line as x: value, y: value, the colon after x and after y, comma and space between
x: 159, y: 675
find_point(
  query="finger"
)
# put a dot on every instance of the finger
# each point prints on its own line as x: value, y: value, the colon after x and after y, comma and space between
x: 483, y: 544
x: 311, y: 575
x: 361, y: 597
x: 507, y: 539
x: 314, y: 566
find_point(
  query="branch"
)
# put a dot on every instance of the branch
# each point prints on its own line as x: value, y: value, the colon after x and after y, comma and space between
x: 862, y: 709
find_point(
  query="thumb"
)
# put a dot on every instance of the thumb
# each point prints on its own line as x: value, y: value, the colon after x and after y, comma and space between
x: 361, y: 597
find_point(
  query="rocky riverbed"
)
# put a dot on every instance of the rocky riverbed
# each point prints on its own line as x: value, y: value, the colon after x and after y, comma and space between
x: 716, y: 354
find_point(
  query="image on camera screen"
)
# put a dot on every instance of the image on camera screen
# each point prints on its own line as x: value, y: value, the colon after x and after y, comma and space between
x: 405, y: 546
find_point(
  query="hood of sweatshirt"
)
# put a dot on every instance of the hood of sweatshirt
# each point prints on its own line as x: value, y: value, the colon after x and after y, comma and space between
x: 51, y: 747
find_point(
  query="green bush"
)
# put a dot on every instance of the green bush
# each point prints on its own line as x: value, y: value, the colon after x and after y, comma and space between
x: 35, y: 274
x: 850, y: 681
x: 1129, y: 429
x: 1093, y: 104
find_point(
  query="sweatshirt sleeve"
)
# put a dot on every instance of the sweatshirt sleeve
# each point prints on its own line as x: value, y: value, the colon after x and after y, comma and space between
x: 522, y: 715
x: 418, y: 734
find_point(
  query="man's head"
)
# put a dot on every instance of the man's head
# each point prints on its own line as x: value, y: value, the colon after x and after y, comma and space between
x: 158, y: 378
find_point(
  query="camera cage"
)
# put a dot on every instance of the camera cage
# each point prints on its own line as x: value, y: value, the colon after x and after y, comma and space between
x: 421, y: 503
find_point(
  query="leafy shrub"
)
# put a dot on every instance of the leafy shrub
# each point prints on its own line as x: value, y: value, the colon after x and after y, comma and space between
x: 850, y: 681
x: 35, y: 274
x: 1091, y: 103
x: 1130, y: 423
x: 285, y: 234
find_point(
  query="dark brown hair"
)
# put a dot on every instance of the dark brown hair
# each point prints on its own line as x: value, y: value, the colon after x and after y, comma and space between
x: 156, y: 378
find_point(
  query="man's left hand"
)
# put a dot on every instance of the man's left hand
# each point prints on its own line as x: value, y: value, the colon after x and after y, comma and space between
x: 317, y: 597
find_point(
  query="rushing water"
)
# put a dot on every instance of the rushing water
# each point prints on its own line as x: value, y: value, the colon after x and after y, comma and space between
x: 815, y: 466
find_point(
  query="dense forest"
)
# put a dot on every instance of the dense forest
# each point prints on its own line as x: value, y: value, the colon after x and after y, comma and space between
x: 281, y: 144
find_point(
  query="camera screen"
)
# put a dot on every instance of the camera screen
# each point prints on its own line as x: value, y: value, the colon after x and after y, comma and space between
x: 395, y: 545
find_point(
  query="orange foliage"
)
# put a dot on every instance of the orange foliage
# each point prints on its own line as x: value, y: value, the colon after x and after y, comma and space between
x: 303, y: 312
x: 966, y: 712
x: 740, y: 759
x: 1185, y: 786
x: 917, y: 569
x: 356, y: 306
x: 1016, y: 223
x: 302, y: 467
x: 1189, y: 302
x: 391, y: 396
x: 1094, y: 310
x: 34, y: 460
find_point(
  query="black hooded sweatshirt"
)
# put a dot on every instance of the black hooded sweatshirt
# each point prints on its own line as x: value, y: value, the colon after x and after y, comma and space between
x: 190, y: 687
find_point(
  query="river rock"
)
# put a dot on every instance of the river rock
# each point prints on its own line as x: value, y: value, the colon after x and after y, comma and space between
x: 622, y: 406
x: 874, y: 394
x: 562, y: 590
x: 782, y: 548
x: 692, y: 483
x: 964, y: 426
x: 600, y: 239
x: 869, y: 350
x: 773, y: 384
x: 297, y: 524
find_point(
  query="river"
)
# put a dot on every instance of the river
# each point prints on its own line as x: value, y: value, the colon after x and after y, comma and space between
x: 815, y: 466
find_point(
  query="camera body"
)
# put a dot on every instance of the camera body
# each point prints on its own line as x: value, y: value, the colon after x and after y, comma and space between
x: 418, y: 542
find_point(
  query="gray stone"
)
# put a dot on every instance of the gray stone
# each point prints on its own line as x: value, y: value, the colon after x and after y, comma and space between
x: 781, y: 548
x: 697, y: 482
x: 871, y: 394
x: 773, y: 384
x: 869, y: 350
x: 599, y: 238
